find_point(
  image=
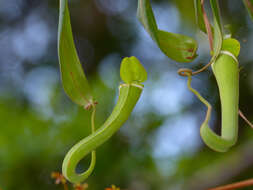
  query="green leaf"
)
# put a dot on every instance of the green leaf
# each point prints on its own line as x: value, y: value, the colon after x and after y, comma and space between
x: 249, y: 5
x: 217, y: 30
x: 199, y: 15
x: 73, y: 78
x: 216, y: 12
x: 131, y: 70
x: 178, y: 47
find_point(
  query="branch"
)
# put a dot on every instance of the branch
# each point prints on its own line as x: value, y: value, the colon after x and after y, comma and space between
x: 234, y: 186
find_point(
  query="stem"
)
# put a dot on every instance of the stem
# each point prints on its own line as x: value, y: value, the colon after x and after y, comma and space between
x: 245, y: 119
x: 234, y: 186
x: 203, y: 100
x: 93, y: 118
x: 93, y: 114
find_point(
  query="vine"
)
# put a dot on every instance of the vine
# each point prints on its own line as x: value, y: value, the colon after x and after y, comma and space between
x: 76, y: 86
x: 224, y: 65
x: 178, y: 47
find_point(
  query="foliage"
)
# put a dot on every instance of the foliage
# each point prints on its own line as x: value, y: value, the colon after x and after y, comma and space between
x: 36, y: 135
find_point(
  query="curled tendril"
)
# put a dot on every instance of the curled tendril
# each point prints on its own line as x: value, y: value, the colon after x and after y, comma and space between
x: 186, y: 72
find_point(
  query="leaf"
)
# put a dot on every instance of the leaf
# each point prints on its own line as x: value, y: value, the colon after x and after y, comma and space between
x: 249, y: 5
x: 217, y: 30
x: 178, y: 47
x: 73, y: 78
x: 199, y: 15
x: 185, y: 10
x: 131, y: 70
x: 216, y: 12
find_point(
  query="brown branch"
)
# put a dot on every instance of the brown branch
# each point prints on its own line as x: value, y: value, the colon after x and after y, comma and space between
x: 245, y: 118
x: 234, y: 186
x: 222, y: 169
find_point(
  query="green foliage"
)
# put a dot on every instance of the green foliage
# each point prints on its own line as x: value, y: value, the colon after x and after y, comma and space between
x: 224, y: 65
x: 32, y: 145
x: 74, y: 81
x: 199, y: 15
x: 132, y: 72
x: 176, y: 46
x: 217, y: 29
x: 226, y: 72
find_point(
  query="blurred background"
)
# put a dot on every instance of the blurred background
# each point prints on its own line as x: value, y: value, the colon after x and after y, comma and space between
x: 159, y: 147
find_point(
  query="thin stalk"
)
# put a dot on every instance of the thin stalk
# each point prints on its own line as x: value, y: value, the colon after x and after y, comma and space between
x: 245, y: 118
x: 234, y: 186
